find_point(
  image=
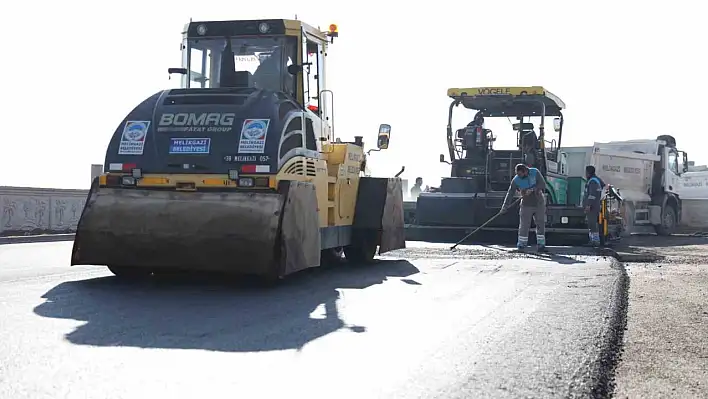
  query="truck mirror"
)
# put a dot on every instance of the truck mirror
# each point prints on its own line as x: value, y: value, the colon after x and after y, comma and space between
x: 384, y: 135
x: 442, y: 158
x: 557, y: 124
x: 685, y: 162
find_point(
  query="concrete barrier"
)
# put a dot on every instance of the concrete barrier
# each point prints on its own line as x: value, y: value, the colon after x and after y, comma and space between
x: 35, y: 211
x: 27, y: 210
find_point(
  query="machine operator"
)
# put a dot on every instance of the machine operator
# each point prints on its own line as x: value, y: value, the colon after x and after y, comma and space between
x: 530, y: 182
x: 417, y: 188
x: 592, y: 204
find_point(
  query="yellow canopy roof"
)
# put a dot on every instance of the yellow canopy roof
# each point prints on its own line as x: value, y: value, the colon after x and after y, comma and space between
x: 508, y: 101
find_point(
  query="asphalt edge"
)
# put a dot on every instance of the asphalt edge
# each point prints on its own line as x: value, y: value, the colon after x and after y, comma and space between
x: 36, y: 238
x: 612, y: 336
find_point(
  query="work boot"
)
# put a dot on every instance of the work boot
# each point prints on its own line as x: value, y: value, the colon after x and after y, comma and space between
x: 595, y: 240
x: 542, y: 248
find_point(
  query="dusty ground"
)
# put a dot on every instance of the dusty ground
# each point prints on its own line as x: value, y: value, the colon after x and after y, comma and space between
x: 665, y: 353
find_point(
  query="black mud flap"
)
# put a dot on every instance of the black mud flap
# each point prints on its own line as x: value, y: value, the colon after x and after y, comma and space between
x: 300, y: 226
x: 379, y: 208
x: 76, y: 249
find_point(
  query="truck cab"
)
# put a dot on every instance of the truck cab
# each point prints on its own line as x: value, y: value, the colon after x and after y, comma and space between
x: 648, y: 172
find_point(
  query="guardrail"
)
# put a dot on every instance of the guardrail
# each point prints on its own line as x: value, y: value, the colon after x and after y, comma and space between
x: 27, y: 210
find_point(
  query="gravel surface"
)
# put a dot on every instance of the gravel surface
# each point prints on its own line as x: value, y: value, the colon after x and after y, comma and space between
x: 665, y: 348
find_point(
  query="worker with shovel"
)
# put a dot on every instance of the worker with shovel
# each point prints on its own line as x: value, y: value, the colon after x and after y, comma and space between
x: 592, y: 204
x: 530, y: 182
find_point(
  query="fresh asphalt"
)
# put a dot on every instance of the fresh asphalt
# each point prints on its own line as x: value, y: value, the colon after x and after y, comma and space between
x: 425, y: 322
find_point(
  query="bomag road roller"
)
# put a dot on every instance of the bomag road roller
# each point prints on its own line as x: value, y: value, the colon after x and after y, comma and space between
x: 238, y: 170
x: 480, y: 173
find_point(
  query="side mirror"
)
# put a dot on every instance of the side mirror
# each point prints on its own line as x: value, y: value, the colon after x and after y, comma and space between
x: 384, y: 135
x: 181, y: 71
x: 685, y: 162
x: 294, y: 69
x: 557, y: 124
x: 442, y: 158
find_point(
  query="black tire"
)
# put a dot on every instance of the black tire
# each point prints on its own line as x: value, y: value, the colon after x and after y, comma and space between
x: 362, y: 249
x: 331, y: 256
x: 668, y: 222
x: 127, y: 272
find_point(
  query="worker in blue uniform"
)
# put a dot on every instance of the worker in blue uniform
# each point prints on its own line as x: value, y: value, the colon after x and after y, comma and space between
x: 531, y: 184
x: 592, y: 204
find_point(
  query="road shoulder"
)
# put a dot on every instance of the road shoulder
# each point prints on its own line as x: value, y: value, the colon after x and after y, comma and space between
x: 665, y: 353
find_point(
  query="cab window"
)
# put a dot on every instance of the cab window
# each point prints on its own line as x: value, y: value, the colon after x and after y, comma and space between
x: 673, y: 162
x: 259, y: 62
x: 312, y: 64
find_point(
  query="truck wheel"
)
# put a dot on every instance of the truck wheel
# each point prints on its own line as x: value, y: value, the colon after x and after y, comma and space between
x: 668, y: 222
x: 128, y: 272
x: 362, y: 249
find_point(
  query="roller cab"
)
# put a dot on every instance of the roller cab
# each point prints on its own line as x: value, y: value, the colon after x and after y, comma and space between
x: 238, y: 169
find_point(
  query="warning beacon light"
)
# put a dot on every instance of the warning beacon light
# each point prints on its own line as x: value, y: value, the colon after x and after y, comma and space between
x: 333, y: 32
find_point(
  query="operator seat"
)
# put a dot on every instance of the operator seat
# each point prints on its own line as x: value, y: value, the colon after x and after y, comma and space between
x: 271, y: 72
x: 529, y: 147
x: 228, y: 75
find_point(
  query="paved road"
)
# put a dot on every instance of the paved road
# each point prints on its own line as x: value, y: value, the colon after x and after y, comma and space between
x: 446, y: 327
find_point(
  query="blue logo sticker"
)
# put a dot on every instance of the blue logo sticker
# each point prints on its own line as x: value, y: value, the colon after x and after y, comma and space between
x: 132, y: 142
x: 189, y: 146
x: 253, y: 136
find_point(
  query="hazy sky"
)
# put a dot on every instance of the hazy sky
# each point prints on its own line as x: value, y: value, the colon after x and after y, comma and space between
x: 625, y: 69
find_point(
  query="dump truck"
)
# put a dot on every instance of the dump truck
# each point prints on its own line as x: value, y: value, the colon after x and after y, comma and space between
x: 480, y: 173
x: 651, y: 175
x: 239, y: 169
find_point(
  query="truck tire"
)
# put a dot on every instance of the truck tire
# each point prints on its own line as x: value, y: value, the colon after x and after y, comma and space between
x: 668, y: 222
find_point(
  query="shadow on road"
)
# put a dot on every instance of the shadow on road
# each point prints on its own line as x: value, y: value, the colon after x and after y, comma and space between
x: 213, y: 315
x: 557, y: 258
x: 652, y: 241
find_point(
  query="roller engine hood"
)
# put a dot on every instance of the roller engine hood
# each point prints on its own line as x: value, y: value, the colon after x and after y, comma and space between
x: 204, y: 131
